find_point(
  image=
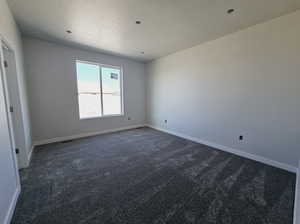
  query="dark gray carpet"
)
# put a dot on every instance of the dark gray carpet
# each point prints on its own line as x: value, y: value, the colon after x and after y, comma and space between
x: 144, y: 176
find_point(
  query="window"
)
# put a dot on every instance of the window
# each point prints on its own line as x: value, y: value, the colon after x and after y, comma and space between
x: 99, y: 90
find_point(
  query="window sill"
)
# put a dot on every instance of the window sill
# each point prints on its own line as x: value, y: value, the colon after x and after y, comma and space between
x: 101, y: 117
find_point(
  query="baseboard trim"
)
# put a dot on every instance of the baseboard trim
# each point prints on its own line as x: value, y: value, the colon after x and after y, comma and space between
x: 72, y: 137
x: 231, y: 150
x: 297, y: 198
x: 12, y: 206
x: 30, y: 155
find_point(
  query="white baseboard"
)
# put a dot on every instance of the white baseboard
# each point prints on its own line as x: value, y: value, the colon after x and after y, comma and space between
x: 297, y: 198
x: 12, y: 206
x: 231, y: 150
x: 30, y: 155
x: 66, y: 138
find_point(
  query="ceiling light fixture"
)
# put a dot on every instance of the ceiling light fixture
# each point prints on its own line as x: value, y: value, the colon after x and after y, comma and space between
x: 230, y: 11
x: 138, y: 22
x: 69, y: 31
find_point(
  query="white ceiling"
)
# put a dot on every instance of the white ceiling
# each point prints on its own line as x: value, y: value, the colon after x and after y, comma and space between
x: 167, y: 25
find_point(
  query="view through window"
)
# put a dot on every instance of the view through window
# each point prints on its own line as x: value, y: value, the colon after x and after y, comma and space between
x: 99, y: 90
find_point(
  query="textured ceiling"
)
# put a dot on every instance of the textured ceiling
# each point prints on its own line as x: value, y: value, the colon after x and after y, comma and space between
x: 166, y: 25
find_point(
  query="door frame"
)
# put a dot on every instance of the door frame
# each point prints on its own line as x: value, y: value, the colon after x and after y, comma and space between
x: 3, y: 76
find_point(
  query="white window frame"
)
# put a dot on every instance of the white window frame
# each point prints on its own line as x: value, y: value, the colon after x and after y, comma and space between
x: 100, y: 75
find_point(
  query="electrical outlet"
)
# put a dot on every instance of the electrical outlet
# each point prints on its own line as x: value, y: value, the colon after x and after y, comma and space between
x: 241, y: 137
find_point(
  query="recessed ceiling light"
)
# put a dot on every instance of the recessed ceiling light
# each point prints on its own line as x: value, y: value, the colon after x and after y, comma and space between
x: 138, y: 22
x: 69, y: 31
x: 230, y: 11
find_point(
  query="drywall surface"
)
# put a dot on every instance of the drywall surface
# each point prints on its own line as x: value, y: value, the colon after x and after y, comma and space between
x: 52, y: 77
x: 8, y: 177
x: 9, y: 31
x: 246, y: 83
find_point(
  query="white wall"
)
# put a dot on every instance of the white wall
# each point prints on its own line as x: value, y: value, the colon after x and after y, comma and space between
x: 9, y: 187
x: 52, y: 84
x: 247, y: 83
x: 9, y: 31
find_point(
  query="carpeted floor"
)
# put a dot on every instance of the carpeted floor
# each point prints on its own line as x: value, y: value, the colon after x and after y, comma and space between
x: 145, y: 176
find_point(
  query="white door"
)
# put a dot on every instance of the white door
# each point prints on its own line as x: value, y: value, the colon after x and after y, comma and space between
x: 9, y: 176
x: 12, y: 98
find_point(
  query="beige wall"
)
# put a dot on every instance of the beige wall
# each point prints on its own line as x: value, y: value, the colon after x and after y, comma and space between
x: 246, y: 83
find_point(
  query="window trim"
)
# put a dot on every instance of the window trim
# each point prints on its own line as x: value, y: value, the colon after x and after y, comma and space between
x: 100, y: 74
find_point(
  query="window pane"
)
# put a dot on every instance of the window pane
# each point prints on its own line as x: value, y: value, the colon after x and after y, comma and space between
x: 89, y: 94
x: 111, y: 86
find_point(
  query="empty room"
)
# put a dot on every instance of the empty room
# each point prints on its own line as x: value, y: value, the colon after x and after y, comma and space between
x: 150, y: 112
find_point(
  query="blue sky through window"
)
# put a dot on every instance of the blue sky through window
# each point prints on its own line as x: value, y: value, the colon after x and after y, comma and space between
x: 89, y: 74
